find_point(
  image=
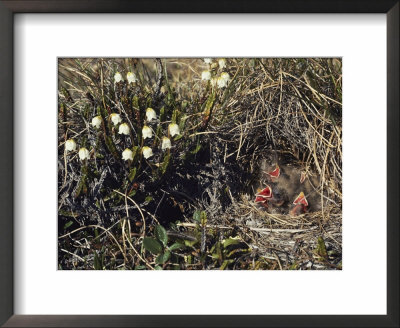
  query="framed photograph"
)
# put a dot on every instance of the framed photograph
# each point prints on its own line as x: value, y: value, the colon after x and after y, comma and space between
x: 204, y: 165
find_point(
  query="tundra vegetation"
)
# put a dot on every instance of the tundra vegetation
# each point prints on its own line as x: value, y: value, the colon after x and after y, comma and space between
x: 200, y: 163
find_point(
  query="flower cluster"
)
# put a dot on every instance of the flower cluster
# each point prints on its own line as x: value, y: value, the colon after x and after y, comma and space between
x: 221, y: 81
x: 70, y: 145
x: 130, y: 77
x: 124, y: 129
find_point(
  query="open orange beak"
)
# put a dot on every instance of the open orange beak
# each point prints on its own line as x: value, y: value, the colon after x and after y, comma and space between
x: 260, y: 199
x: 300, y: 205
x: 263, y: 196
x: 275, y: 173
x: 266, y: 192
x: 301, y: 199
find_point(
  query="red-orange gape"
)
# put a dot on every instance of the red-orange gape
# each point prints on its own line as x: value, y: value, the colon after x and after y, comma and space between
x: 275, y: 173
x: 263, y: 196
x: 300, y: 205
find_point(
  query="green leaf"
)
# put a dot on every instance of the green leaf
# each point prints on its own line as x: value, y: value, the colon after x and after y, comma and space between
x: 149, y: 101
x: 175, y: 116
x: 225, y: 264
x: 182, y: 123
x: 97, y: 264
x: 196, y: 150
x: 230, y: 241
x: 203, y: 218
x: 165, y: 163
x: 82, y: 183
x: 111, y: 147
x: 158, y: 267
x: 162, y: 258
x: 132, y: 174
x: 162, y: 114
x: 197, y: 216
x: 96, y: 233
x: 102, y: 112
x: 135, y: 102
x: 161, y: 234
x: 152, y: 245
x: 209, y: 105
x: 135, y: 153
x: 68, y: 224
x: 159, y: 132
x: 238, y: 250
x: 215, y: 256
x: 189, y: 259
x: 321, y: 248
x: 218, y: 251
x: 176, y: 246
x: 190, y: 243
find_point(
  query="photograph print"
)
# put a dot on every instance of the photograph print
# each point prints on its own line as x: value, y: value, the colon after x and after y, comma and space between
x: 199, y: 164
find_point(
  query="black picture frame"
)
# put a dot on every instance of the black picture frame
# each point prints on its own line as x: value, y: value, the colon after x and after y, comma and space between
x: 7, y: 197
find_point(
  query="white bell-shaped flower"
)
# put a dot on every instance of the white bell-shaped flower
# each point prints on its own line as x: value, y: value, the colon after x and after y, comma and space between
x: 70, y: 145
x: 116, y: 118
x: 124, y: 129
x: 127, y: 154
x: 205, y: 75
x: 222, y: 63
x: 221, y: 83
x: 131, y: 77
x: 147, y: 152
x: 166, y: 143
x: 83, y: 153
x: 118, y: 77
x: 147, y: 132
x: 150, y: 114
x: 225, y: 76
x: 208, y: 60
x: 173, y: 129
x: 96, y: 121
x: 223, y: 80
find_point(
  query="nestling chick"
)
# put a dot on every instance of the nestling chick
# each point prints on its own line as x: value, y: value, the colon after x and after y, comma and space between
x: 300, y: 205
x: 285, y: 183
